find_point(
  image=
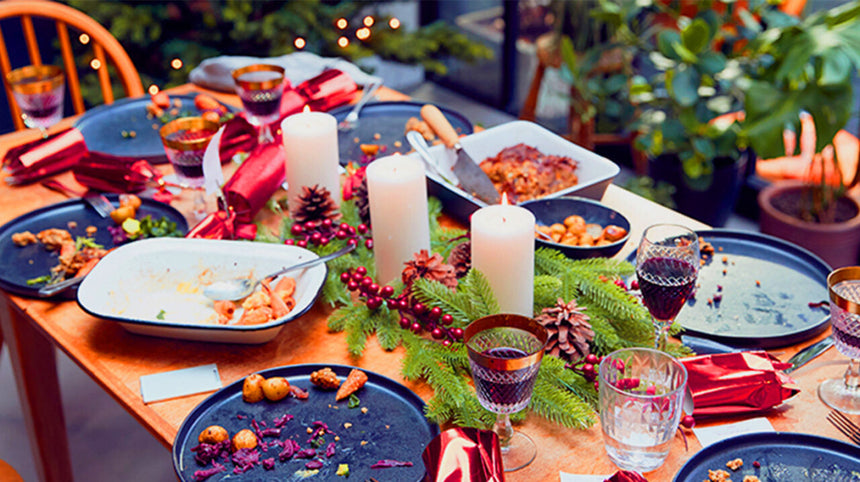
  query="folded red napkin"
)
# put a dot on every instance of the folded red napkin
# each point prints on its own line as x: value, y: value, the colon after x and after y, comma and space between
x: 222, y: 225
x: 459, y: 454
x: 731, y: 383
x: 626, y: 476
x: 256, y: 180
x: 44, y: 157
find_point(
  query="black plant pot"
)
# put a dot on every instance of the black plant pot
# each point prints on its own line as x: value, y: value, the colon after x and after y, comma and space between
x: 710, y: 200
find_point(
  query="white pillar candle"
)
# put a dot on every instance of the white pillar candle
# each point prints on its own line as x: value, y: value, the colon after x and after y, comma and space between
x: 397, y: 192
x: 503, y: 250
x: 310, y: 144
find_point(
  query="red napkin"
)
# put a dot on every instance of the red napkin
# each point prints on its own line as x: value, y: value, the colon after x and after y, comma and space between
x: 43, y: 157
x: 222, y: 225
x: 626, y: 476
x: 256, y: 180
x: 328, y: 90
x: 731, y: 383
x: 464, y: 454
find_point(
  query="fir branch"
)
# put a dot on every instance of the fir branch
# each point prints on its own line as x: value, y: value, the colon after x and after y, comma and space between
x: 388, y: 331
x: 559, y: 405
x: 339, y: 319
x: 480, y: 293
x: 443, y: 240
x: 264, y: 235
x: 547, y: 291
x: 455, y: 303
x: 349, y: 213
x: 359, y: 328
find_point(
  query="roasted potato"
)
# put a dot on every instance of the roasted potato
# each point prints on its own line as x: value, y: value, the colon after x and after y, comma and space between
x: 276, y: 388
x: 122, y: 213
x: 129, y: 200
x: 244, y: 439
x: 213, y: 434
x: 252, y: 389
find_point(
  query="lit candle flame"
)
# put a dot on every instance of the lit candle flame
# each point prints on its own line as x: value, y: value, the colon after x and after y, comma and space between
x: 504, y: 200
x: 307, y: 108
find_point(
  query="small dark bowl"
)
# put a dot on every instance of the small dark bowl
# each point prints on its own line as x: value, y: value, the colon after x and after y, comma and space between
x: 554, y: 210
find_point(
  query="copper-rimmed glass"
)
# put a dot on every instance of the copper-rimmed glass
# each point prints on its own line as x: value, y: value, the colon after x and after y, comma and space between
x: 38, y: 90
x: 505, y: 352
x: 667, y: 265
x: 260, y: 87
x: 843, y: 393
x: 185, y: 140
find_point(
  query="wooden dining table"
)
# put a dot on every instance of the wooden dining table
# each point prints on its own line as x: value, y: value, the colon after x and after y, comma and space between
x: 116, y: 359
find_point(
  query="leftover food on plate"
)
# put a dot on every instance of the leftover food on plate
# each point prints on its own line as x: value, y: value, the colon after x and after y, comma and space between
x: 523, y: 172
x: 574, y: 231
x: 270, y: 303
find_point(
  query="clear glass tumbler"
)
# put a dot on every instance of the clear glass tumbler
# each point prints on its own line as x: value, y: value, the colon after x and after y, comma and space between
x: 641, y: 401
x: 39, y: 92
x: 843, y: 393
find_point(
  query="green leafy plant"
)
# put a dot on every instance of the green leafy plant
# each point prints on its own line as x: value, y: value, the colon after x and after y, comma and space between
x: 806, y: 66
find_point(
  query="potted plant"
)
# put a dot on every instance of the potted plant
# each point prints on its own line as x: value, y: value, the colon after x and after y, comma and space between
x: 806, y: 70
x: 690, y: 82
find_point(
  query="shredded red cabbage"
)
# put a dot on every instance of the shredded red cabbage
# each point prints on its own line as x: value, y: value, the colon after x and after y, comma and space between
x: 388, y: 463
x: 282, y: 420
x: 269, y: 463
x: 204, y: 474
x: 270, y: 432
x: 314, y: 464
x: 205, y: 453
x: 244, y: 459
x: 321, y: 429
x: 306, y: 453
x: 290, y: 448
x: 330, y: 450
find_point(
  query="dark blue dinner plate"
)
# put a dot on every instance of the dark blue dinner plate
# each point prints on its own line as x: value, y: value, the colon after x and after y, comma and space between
x: 766, y: 285
x: 393, y: 427
x: 387, y: 121
x: 787, y: 456
x: 24, y: 263
x: 103, y: 126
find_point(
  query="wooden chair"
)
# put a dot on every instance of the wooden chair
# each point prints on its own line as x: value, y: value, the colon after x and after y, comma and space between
x: 104, y: 47
x: 8, y: 473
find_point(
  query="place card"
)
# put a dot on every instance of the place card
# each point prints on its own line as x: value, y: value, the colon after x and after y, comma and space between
x: 178, y: 383
x: 716, y: 433
x: 565, y: 477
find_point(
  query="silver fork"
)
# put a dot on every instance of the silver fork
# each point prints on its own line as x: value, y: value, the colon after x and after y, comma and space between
x: 351, y: 120
x: 97, y: 201
x: 845, y: 425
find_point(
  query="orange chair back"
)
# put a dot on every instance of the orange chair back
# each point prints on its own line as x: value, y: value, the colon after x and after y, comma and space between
x: 103, y: 45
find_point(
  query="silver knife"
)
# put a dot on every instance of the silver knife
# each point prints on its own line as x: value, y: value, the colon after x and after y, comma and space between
x: 472, y: 178
x: 808, y: 354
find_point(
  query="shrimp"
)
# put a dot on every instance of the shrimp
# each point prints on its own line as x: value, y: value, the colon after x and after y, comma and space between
x: 285, y: 287
x: 256, y: 316
x: 225, y: 310
x: 279, y: 308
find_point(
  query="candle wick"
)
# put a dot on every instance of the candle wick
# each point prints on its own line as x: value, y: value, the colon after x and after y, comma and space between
x: 504, y: 219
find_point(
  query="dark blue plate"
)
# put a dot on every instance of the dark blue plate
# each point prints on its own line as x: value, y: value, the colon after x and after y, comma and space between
x: 766, y: 290
x: 102, y: 127
x: 794, y: 457
x: 23, y: 263
x: 388, y: 120
x: 394, y: 427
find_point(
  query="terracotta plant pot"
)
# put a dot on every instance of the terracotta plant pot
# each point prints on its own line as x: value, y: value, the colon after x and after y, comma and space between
x: 838, y: 243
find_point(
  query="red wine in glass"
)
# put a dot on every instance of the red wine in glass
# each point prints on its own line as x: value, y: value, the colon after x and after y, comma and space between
x: 666, y: 284
x: 505, y: 391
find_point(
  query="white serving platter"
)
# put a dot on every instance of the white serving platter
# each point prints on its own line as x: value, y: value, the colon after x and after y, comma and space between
x: 595, y: 172
x: 154, y: 286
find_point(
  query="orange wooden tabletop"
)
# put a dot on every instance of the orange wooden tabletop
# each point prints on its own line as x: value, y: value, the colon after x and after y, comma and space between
x: 117, y: 359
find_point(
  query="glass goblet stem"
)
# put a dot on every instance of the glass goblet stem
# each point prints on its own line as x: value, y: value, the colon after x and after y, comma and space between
x: 504, y: 430
x: 661, y: 335
x: 852, y: 375
x: 265, y: 134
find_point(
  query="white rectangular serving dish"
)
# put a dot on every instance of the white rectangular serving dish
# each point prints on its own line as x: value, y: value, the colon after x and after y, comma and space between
x: 595, y: 172
x: 136, y: 282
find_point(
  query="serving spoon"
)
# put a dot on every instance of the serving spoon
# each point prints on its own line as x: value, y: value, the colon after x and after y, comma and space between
x: 238, y: 288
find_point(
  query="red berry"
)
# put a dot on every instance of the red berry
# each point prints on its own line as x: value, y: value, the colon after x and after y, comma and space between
x: 362, y: 228
x: 351, y: 241
x: 403, y: 304
x: 344, y: 226
x: 366, y: 281
x: 315, y: 237
x: 345, y: 277
x: 350, y: 230
x: 620, y: 284
x: 386, y: 291
x: 588, y: 369
x: 373, y: 288
x: 302, y: 243
x: 419, y: 308
x: 357, y: 276
x: 597, y: 385
x: 689, y: 422
x: 326, y: 223
x: 591, y: 358
x: 619, y: 365
x: 634, y: 284
x: 310, y: 225
x: 756, y: 464
x: 416, y: 327
x: 447, y: 319
x: 324, y: 241
x: 457, y: 333
x: 435, y: 313
x: 374, y: 302
x: 437, y: 333
x: 446, y: 342
x: 368, y: 243
x: 290, y: 242
x: 392, y: 304
x: 340, y: 234
x: 296, y: 229
x: 351, y: 285
x: 651, y: 390
x: 405, y: 322
x: 361, y: 270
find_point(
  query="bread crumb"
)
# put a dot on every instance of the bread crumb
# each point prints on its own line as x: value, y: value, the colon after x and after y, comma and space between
x: 735, y: 464
x: 718, y: 476
x: 347, y: 425
x: 363, y: 409
x: 751, y: 478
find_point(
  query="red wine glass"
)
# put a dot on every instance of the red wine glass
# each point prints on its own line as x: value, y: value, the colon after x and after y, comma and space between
x: 505, y: 352
x: 843, y: 393
x: 261, y: 87
x: 667, y: 264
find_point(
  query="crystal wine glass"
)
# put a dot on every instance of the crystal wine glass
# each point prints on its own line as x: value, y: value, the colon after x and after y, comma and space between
x: 843, y: 393
x: 260, y: 87
x: 667, y: 264
x: 505, y: 352
x: 185, y: 140
x: 38, y: 90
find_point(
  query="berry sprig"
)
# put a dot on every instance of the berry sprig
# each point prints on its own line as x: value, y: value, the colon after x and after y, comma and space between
x: 322, y: 232
x: 414, y: 315
x: 587, y: 367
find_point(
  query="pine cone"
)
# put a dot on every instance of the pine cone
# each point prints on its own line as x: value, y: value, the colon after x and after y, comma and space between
x: 429, y: 267
x: 315, y: 203
x: 361, y: 200
x: 461, y: 258
x: 569, y: 330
